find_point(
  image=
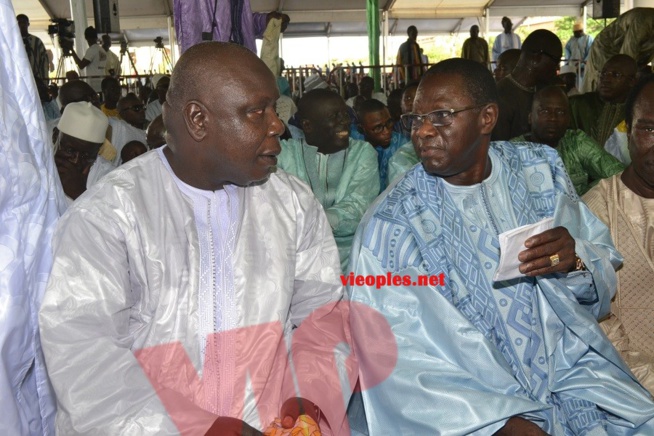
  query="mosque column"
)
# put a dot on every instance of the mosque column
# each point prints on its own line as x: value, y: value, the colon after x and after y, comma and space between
x: 372, y: 15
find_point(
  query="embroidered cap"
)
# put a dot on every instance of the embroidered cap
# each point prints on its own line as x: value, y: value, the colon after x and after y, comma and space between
x: 84, y: 121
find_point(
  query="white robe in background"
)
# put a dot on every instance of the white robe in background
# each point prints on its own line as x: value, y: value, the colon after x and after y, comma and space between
x: 131, y: 288
x: 122, y: 133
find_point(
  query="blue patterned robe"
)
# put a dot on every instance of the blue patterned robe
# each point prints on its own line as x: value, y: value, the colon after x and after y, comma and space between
x: 473, y: 353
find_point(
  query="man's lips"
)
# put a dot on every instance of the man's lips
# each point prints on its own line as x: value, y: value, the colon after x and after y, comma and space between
x: 343, y: 134
x: 269, y: 159
x: 430, y: 151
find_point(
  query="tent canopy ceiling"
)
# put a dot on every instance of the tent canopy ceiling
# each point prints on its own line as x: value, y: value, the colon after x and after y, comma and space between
x: 143, y: 20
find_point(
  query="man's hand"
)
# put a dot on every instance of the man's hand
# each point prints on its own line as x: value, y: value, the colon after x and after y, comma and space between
x: 225, y: 426
x: 285, y: 19
x: 543, y: 248
x: 519, y: 427
x: 72, y: 178
x: 294, y: 407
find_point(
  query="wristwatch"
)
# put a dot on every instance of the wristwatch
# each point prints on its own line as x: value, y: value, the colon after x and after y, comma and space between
x: 579, y: 264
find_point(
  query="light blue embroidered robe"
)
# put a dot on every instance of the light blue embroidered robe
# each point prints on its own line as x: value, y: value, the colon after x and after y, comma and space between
x: 345, y: 183
x: 460, y: 367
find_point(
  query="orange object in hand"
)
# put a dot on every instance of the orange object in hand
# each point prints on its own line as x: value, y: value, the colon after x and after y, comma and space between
x: 304, y: 426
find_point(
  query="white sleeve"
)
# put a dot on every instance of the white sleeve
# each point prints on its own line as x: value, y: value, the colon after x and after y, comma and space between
x: 88, y: 328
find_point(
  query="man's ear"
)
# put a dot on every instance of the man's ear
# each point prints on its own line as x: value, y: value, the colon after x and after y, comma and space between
x: 360, y: 129
x: 195, y: 118
x: 306, y: 126
x: 488, y: 118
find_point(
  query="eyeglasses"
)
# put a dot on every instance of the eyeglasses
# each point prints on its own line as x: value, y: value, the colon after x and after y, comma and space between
x: 74, y: 155
x: 612, y: 74
x: 437, y: 118
x: 380, y: 127
x: 135, y: 108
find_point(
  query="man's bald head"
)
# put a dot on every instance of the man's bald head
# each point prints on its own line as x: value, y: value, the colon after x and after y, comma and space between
x: 205, y: 62
x: 311, y: 102
x: 551, y: 91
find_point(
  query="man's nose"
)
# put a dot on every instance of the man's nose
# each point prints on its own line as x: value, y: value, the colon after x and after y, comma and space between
x: 277, y: 127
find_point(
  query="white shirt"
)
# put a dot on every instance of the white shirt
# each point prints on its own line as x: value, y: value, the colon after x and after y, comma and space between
x: 98, y: 58
x: 113, y: 63
x: 121, y: 133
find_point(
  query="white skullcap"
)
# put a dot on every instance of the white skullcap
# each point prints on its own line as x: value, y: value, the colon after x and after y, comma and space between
x: 84, y: 121
x: 567, y: 69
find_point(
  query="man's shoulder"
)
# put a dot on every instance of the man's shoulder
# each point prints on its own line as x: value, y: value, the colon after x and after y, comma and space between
x: 285, y: 183
x: 290, y: 196
x: 35, y: 38
x: 587, y: 98
x: 360, y: 149
x: 388, y: 225
x: 520, y: 154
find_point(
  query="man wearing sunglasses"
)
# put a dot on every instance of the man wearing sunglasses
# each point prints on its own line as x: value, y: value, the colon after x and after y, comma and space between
x: 514, y: 356
x: 130, y: 127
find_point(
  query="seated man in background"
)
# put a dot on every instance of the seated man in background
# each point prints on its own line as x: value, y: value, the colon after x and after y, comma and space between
x: 625, y: 203
x: 342, y: 172
x: 153, y: 110
x: 111, y: 93
x: 376, y: 124
x: 82, y: 128
x: 131, y: 125
x: 516, y: 356
x: 585, y: 161
x: 597, y: 113
x: 173, y: 280
x: 366, y: 92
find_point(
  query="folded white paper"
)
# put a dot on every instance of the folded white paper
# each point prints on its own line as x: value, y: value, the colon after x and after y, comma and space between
x: 512, y: 243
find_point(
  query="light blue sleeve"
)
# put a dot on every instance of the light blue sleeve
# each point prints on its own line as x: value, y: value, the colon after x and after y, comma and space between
x: 595, y: 287
x: 497, y: 47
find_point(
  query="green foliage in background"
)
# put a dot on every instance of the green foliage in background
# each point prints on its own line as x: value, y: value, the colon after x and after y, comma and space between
x: 564, y: 25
